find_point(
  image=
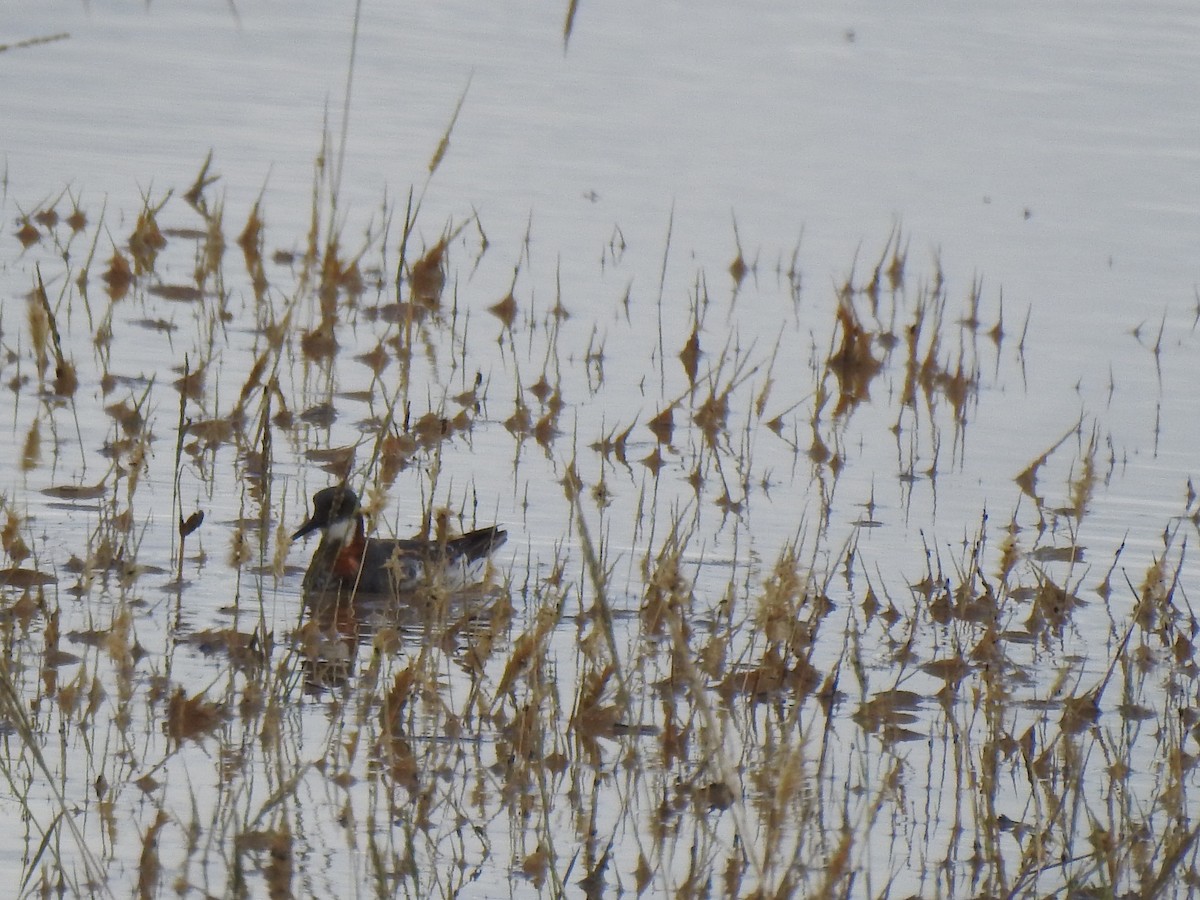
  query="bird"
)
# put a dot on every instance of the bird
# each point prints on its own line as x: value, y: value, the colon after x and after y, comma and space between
x: 347, y: 560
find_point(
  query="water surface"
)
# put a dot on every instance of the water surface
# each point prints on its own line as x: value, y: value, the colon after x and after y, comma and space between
x: 1041, y: 160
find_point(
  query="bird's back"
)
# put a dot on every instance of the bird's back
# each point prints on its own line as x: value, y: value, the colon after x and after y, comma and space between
x: 397, y: 566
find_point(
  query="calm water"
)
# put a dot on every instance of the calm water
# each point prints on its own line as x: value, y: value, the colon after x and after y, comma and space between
x: 1051, y: 155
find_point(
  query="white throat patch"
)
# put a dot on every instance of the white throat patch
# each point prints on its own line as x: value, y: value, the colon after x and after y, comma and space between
x: 342, y: 530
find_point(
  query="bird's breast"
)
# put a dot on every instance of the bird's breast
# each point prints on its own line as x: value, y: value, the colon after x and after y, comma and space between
x: 348, y: 559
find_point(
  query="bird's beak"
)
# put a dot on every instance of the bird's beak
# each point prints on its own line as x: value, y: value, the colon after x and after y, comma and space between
x: 307, y: 528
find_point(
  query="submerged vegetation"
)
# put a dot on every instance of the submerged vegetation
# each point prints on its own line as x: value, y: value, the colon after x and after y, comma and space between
x: 724, y: 651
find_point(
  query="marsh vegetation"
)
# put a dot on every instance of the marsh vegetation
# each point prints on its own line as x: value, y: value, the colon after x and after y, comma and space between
x: 698, y: 670
x: 812, y: 587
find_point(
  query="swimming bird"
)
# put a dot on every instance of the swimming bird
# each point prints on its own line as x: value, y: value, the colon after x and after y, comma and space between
x: 347, y: 560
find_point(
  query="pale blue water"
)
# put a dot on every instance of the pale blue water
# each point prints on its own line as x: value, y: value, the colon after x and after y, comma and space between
x: 1053, y: 152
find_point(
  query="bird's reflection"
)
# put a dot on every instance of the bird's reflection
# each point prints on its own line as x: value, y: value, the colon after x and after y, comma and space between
x: 337, y: 623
